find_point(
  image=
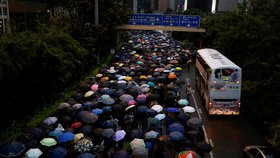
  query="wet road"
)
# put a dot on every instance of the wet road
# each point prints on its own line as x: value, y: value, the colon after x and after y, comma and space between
x: 227, y: 135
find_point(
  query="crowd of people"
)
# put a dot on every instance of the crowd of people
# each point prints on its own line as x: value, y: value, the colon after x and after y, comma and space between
x: 131, y: 108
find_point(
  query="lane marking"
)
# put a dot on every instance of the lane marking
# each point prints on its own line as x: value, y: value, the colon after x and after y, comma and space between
x: 199, y: 116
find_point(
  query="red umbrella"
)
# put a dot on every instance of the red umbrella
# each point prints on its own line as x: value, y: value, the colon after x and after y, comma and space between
x: 188, y: 154
x: 76, y: 125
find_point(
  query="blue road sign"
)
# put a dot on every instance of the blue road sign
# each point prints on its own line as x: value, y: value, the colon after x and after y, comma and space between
x: 145, y: 19
x: 192, y: 21
x: 171, y: 20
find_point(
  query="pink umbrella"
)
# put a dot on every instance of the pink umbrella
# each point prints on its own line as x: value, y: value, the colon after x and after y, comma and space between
x: 94, y: 87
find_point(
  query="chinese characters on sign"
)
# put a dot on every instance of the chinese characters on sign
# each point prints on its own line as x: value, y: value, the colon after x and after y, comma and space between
x: 165, y: 20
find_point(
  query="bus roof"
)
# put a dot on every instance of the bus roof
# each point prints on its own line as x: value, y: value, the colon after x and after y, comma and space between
x: 215, y: 59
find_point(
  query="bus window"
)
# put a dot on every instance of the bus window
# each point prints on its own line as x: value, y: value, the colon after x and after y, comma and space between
x: 227, y: 72
x: 218, y: 74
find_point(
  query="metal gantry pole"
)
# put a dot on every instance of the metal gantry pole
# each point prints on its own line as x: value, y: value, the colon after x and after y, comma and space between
x: 96, y: 13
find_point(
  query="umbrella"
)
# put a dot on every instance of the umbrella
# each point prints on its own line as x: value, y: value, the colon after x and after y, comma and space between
x: 50, y: 120
x: 172, y: 76
x: 176, y: 135
x: 66, y: 137
x: 12, y: 149
x: 188, y: 154
x: 83, y: 145
x: 140, y: 152
x: 77, y: 106
x: 107, y: 100
x: 152, y: 121
x: 86, y: 130
x: 121, y: 154
x: 175, y: 127
x: 48, y: 142
x: 33, y: 153
x: 203, y: 147
x: 55, y: 133
x: 88, y: 93
x: 126, y: 97
x: 151, y: 134
x: 119, y: 135
x: 87, y: 117
x: 183, y: 102
x: 194, y: 122
x: 137, y: 143
x: 151, y: 112
x: 132, y: 102
x: 63, y: 105
x: 78, y: 136
x: 129, y: 107
x: 189, y: 109
x: 58, y: 152
x: 117, y: 108
x: 94, y: 87
x: 85, y: 155
x: 97, y: 111
x: 87, y: 104
x: 157, y: 108
x: 98, y: 131
x: 108, y: 132
x: 76, y: 125
x: 142, y: 109
x: 172, y: 109
x: 160, y: 116
x: 135, y: 133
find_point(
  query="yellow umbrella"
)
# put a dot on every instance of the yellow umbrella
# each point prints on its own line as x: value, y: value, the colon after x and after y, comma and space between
x: 143, y: 77
x: 128, y: 78
x: 178, y: 68
x: 78, y: 136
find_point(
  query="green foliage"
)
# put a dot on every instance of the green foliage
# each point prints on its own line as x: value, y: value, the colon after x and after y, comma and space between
x: 275, y: 135
x: 250, y: 38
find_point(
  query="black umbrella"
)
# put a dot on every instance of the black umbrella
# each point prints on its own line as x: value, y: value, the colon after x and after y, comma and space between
x: 12, y: 149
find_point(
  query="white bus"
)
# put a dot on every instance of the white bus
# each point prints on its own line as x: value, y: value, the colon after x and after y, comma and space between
x: 218, y: 81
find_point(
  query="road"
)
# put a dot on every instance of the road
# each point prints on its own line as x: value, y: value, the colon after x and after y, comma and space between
x: 227, y: 135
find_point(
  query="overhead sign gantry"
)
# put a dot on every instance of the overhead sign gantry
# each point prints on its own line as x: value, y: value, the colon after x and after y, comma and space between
x: 189, y: 23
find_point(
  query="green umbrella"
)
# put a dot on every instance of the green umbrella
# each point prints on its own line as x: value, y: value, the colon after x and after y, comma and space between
x: 48, y: 142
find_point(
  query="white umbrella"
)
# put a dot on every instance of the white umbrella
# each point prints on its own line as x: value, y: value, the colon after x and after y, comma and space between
x: 189, y: 109
x: 33, y: 153
x: 160, y: 116
x: 151, y: 134
x: 157, y: 108
x: 88, y: 93
x: 137, y: 143
x: 119, y: 135
x: 50, y: 120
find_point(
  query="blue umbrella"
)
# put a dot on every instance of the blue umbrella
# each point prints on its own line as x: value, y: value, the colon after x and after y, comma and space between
x: 58, y: 152
x: 175, y: 127
x: 85, y: 155
x: 55, y: 133
x: 151, y: 112
x: 86, y: 130
x: 87, y: 104
x: 172, y: 109
x: 12, y: 149
x: 97, y: 111
x: 121, y: 154
x: 66, y: 137
x: 176, y: 135
x: 142, y: 109
x: 36, y: 132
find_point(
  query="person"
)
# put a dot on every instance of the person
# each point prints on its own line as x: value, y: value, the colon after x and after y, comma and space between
x: 234, y: 75
x: 188, y: 92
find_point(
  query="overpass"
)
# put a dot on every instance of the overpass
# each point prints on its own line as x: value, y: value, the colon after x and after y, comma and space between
x: 166, y: 28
